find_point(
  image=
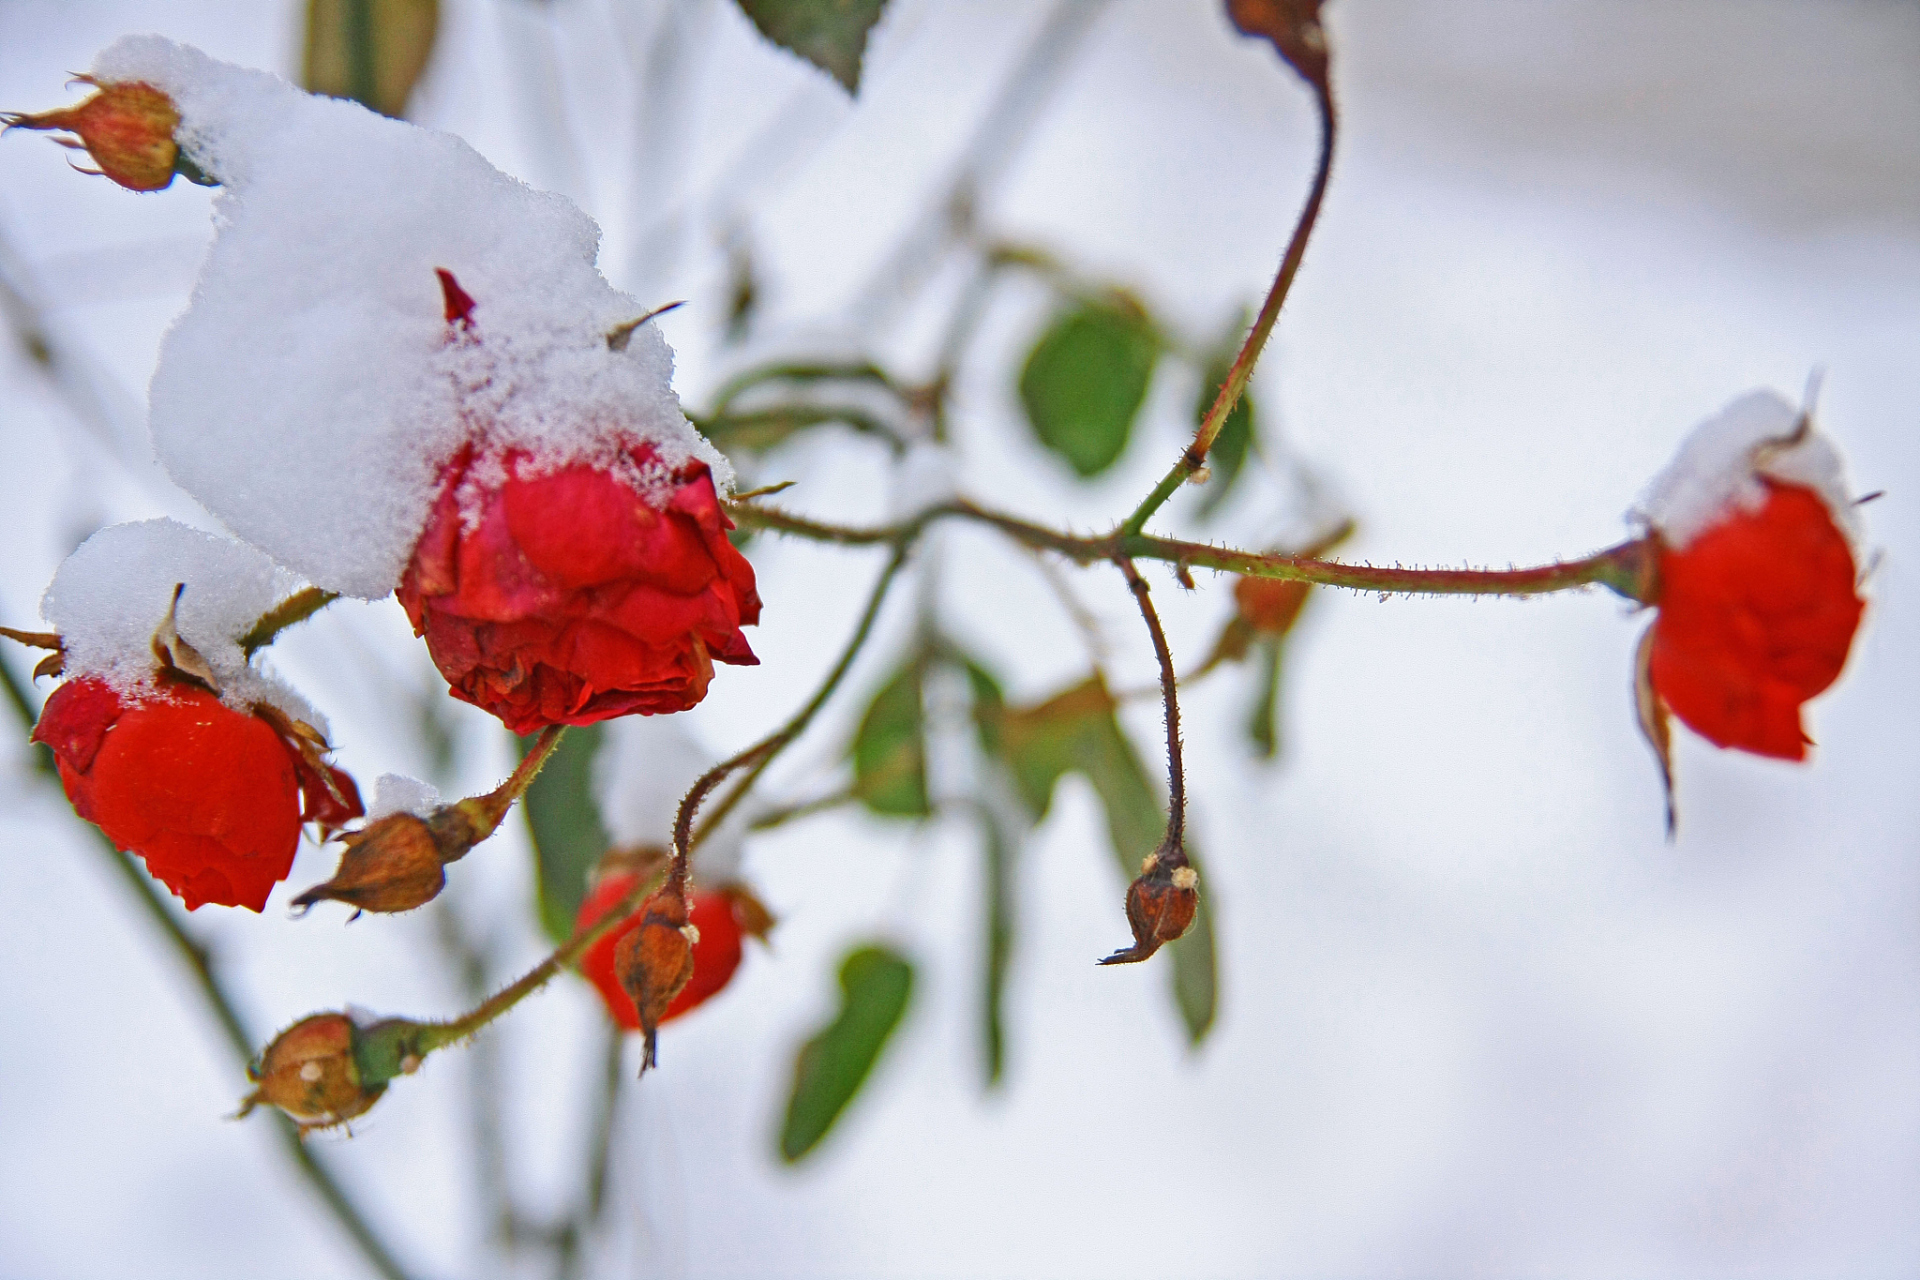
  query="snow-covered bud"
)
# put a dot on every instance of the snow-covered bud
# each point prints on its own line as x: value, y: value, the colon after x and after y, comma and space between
x: 127, y: 127
x: 166, y: 736
x: 1755, y: 577
x: 310, y: 1072
x: 566, y: 594
x: 1161, y: 903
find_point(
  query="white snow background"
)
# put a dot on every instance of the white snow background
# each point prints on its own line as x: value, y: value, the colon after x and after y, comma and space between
x: 1477, y: 1017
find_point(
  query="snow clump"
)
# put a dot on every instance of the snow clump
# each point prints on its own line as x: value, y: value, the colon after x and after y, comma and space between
x: 111, y: 595
x: 1720, y: 465
x: 311, y: 393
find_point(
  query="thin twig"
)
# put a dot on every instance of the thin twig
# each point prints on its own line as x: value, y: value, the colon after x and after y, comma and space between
x: 1623, y: 568
x: 1173, y: 851
x: 1196, y: 455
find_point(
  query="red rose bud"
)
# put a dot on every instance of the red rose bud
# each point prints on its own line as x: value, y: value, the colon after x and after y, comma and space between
x: 1160, y: 905
x: 721, y: 917
x: 567, y: 596
x: 1270, y: 605
x: 1756, y: 615
x: 126, y: 127
x: 212, y: 798
x: 310, y: 1072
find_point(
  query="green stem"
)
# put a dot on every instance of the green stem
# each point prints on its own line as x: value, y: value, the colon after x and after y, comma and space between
x: 1230, y: 390
x: 1624, y: 568
x: 298, y: 607
x: 206, y: 978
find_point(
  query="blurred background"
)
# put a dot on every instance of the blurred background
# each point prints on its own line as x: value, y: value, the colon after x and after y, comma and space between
x: 1476, y: 1016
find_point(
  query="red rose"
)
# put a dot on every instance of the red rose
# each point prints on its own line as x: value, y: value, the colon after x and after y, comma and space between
x: 715, y: 956
x: 571, y: 595
x: 212, y: 798
x: 127, y: 128
x: 1756, y: 615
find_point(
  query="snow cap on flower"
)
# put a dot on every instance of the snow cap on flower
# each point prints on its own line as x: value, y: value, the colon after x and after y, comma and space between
x: 310, y: 396
x: 1721, y: 465
x: 396, y: 793
x: 113, y: 593
x: 1756, y: 577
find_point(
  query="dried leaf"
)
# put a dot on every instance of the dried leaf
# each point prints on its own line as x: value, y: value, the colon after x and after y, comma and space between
x: 372, y: 51
x: 1655, y: 723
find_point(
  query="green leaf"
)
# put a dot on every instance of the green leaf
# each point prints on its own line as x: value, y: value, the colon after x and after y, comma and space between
x: 564, y: 820
x: 890, y: 752
x: 1001, y: 846
x: 1230, y: 447
x: 1263, y: 724
x: 372, y: 51
x: 1077, y: 731
x: 831, y: 34
x: 875, y: 983
x: 1084, y: 381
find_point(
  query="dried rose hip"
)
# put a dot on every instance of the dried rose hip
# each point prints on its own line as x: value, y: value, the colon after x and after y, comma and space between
x: 212, y: 798
x: 1757, y: 614
x: 716, y: 953
x: 127, y: 127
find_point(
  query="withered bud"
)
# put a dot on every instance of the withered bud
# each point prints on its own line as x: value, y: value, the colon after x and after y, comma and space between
x: 656, y: 960
x: 1293, y: 27
x: 127, y: 127
x: 309, y: 1072
x: 1160, y: 904
x: 398, y: 862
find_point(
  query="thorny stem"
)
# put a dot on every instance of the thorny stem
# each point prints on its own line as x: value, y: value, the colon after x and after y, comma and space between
x: 757, y: 757
x: 206, y: 978
x: 1230, y: 390
x: 438, y: 1035
x: 1624, y: 568
x: 296, y: 608
x: 1173, y: 850
x: 494, y: 804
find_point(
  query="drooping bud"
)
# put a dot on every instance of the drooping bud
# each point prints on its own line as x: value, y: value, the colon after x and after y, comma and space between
x: 655, y: 961
x: 398, y: 862
x: 1161, y: 903
x: 127, y: 127
x: 311, y: 1073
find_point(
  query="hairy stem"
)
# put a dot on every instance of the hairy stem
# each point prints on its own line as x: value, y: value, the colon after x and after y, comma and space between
x: 1230, y: 391
x: 1623, y: 568
x: 1173, y: 850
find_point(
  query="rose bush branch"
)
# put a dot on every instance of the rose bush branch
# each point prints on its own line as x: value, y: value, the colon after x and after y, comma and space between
x: 1624, y: 568
x: 1230, y: 391
x: 397, y: 1046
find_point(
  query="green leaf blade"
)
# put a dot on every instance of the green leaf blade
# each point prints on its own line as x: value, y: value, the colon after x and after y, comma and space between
x: 563, y: 817
x: 889, y: 751
x: 876, y: 984
x: 831, y: 34
x: 1084, y: 381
